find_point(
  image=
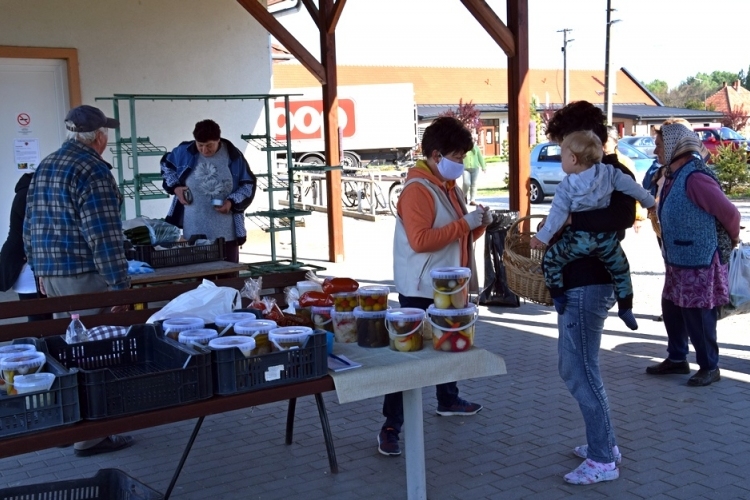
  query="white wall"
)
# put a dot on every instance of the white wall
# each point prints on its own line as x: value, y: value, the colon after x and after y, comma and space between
x: 156, y: 47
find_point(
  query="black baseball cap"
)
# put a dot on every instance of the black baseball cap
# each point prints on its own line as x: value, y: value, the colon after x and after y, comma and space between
x: 87, y: 118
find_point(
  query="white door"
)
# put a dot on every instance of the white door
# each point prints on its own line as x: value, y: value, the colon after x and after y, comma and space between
x: 33, y: 104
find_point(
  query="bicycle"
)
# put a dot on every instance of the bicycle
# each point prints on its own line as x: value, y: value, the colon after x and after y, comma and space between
x: 352, y: 194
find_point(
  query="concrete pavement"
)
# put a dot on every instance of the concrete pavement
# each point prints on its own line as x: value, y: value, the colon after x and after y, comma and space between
x: 678, y: 442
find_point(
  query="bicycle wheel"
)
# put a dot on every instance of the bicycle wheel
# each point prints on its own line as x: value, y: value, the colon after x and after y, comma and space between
x: 349, y: 194
x: 394, y: 192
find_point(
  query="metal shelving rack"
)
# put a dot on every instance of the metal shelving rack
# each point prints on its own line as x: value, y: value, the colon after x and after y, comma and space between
x: 145, y: 186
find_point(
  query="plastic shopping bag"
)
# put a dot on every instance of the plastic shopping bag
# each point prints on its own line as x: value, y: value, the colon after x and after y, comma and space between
x: 739, y: 276
x: 206, y: 302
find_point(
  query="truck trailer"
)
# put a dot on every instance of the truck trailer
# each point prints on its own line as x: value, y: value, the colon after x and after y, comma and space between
x: 376, y: 122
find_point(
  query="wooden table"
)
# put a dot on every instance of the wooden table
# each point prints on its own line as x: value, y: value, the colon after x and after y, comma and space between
x: 208, y: 270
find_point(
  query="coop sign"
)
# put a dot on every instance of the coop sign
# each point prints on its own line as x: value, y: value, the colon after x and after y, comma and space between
x: 306, y: 119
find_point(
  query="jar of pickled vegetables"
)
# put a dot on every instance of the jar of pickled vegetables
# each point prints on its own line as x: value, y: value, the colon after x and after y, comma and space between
x: 225, y: 322
x: 321, y: 317
x: 173, y: 326
x: 450, y: 287
x: 344, y: 301
x: 373, y: 298
x: 289, y: 337
x: 405, y: 328
x: 257, y: 329
x: 371, y: 331
x: 344, y: 326
x: 452, y: 329
x: 200, y: 336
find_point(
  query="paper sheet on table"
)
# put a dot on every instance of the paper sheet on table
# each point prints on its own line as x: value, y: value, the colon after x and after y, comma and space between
x: 385, y: 371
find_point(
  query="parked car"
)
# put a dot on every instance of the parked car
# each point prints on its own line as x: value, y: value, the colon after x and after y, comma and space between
x: 546, y: 171
x: 713, y: 137
x: 641, y: 160
x: 643, y: 143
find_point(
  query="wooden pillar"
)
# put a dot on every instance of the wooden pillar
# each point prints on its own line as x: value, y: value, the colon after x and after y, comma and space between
x: 519, y: 101
x: 328, y: 18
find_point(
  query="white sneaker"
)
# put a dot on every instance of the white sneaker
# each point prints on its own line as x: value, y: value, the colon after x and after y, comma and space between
x: 582, y: 451
x: 590, y: 472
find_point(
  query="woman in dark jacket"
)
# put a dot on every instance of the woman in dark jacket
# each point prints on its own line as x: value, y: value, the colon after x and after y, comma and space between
x: 14, y: 273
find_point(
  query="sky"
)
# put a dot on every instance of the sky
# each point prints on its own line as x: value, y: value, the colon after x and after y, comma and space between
x: 668, y: 40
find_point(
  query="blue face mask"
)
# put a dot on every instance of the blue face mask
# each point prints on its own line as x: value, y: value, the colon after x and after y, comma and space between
x: 450, y: 169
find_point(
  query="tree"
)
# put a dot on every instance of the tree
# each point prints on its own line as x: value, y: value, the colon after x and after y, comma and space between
x: 730, y: 166
x: 736, y: 118
x: 468, y: 114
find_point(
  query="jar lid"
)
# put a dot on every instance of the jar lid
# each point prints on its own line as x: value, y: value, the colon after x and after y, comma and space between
x: 290, y: 333
x: 223, y: 320
x: 374, y: 290
x: 243, y: 342
x: 200, y: 335
x: 468, y: 310
x: 345, y: 294
x: 254, y: 326
x: 10, y: 350
x: 450, y: 273
x: 359, y: 313
x: 405, y: 314
x: 26, y: 360
x: 33, y: 382
x: 342, y: 314
x: 182, y: 324
x: 321, y: 310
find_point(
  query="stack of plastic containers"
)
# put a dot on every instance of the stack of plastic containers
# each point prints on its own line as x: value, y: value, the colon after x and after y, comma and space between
x: 451, y: 316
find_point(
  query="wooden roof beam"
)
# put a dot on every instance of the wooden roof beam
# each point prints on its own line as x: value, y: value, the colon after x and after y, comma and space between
x: 314, y: 12
x: 492, y: 24
x: 261, y: 14
x: 335, y: 14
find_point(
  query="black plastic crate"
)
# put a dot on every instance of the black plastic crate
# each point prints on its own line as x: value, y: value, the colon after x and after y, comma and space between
x: 107, y: 484
x: 139, y: 372
x: 180, y: 253
x: 36, y: 411
x: 234, y: 373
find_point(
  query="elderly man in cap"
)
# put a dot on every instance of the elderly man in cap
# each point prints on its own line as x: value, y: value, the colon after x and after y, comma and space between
x: 72, y: 232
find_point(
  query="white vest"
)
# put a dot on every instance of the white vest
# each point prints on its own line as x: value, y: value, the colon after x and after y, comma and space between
x: 411, y: 270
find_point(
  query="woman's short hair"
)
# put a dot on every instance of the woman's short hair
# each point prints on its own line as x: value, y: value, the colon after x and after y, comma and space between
x: 206, y: 130
x: 585, y: 145
x: 579, y: 115
x: 446, y: 135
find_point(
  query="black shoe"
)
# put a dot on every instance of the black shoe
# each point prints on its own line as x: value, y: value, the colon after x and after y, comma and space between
x: 388, y: 442
x: 668, y: 367
x: 108, y: 444
x: 704, y: 377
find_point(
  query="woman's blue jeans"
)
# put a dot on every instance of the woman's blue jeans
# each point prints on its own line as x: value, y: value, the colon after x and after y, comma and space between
x: 580, y: 328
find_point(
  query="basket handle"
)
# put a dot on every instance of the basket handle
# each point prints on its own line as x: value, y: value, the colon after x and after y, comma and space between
x: 514, y: 227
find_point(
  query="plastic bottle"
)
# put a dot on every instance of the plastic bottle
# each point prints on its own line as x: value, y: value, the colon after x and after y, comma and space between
x: 76, y: 332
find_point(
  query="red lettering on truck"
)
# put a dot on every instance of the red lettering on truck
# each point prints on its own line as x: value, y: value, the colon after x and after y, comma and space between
x: 306, y: 119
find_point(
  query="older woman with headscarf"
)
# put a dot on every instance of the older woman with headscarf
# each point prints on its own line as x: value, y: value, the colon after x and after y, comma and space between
x: 699, y: 227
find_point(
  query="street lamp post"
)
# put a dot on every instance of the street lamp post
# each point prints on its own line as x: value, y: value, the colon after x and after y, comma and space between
x: 566, y: 96
x: 607, y: 76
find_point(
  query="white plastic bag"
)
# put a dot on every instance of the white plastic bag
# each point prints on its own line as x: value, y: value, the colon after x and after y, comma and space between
x: 206, y: 302
x: 739, y: 276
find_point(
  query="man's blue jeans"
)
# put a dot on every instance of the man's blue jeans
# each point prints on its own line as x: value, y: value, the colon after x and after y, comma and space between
x: 696, y: 323
x: 580, y: 328
x: 393, y: 404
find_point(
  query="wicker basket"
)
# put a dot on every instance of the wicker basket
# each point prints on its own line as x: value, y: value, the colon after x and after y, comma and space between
x: 655, y: 222
x: 523, y: 266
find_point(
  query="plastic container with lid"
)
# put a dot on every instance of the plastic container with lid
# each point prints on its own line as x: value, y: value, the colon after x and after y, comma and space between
x: 33, y: 382
x: 452, y: 329
x: 199, y: 336
x: 289, y: 337
x: 450, y: 287
x: 373, y: 298
x: 344, y: 301
x: 371, y: 331
x: 344, y: 326
x: 173, y: 326
x: 405, y: 328
x: 12, y: 350
x: 244, y: 343
x: 321, y: 318
x: 229, y: 319
x: 20, y: 364
x: 258, y: 329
